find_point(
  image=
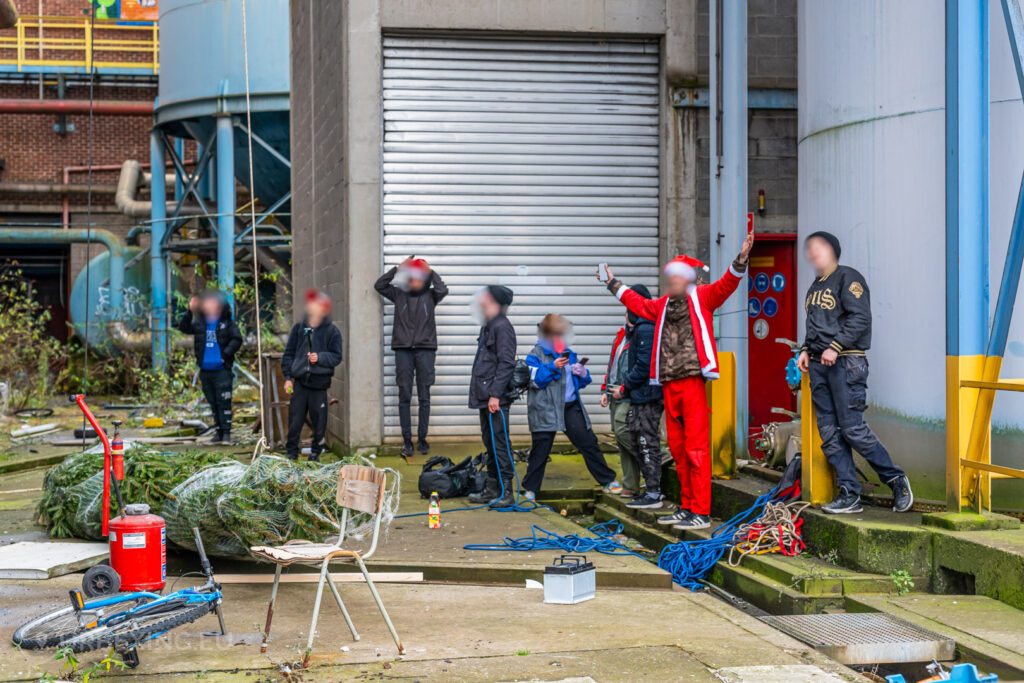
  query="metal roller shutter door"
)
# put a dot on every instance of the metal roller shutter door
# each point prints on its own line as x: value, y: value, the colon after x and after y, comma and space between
x: 523, y: 163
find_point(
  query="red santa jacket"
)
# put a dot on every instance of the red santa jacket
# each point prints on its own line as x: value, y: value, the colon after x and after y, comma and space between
x: 615, y: 351
x: 704, y: 299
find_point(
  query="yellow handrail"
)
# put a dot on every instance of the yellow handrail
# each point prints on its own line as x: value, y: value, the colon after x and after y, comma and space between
x: 67, y: 42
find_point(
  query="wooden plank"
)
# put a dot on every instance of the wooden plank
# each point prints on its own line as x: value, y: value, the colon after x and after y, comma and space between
x: 313, y: 577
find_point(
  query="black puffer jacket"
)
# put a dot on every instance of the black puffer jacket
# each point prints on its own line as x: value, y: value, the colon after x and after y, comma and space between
x: 228, y: 336
x: 414, y: 327
x: 324, y: 341
x: 494, y: 363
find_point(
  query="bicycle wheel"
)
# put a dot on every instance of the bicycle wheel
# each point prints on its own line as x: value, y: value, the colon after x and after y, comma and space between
x: 49, y: 629
x: 139, y: 626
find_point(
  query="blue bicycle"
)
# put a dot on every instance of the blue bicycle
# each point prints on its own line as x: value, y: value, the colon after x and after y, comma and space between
x: 125, y: 620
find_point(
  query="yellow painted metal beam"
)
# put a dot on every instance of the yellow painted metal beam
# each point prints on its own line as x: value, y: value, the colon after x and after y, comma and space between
x: 722, y: 401
x: 818, y: 479
x: 1000, y: 385
x: 1001, y: 471
x: 961, y: 402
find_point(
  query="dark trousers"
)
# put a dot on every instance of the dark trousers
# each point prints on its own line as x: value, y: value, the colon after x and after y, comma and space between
x: 644, y: 421
x: 217, y: 386
x: 312, y: 402
x: 840, y: 397
x: 581, y: 436
x: 418, y: 362
x: 494, y: 434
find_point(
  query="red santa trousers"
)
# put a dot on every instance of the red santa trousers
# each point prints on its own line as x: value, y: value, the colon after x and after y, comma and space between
x: 689, y: 439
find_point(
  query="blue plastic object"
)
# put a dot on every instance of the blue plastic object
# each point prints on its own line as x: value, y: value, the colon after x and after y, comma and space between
x: 792, y: 373
x: 960, y: 673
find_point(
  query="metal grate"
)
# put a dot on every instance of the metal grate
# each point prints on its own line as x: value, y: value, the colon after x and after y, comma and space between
x: 873, y: 638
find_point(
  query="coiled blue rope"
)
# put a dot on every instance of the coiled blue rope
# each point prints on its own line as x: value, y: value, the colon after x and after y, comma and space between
x: 690, y: 561
x: 603, y: 541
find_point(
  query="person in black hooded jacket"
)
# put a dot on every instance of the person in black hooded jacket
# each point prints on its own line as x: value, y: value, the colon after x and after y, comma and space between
x: 217, y: 339
x: 312, y: 353
x: 414, y: 340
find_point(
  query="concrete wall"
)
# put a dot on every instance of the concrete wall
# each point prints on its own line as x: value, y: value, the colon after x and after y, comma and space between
x: 336, y: 62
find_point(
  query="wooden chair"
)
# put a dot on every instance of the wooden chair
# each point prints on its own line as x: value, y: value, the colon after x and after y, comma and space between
x: 361, y: 489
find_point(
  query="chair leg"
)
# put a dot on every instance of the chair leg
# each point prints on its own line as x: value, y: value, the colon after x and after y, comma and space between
x: 341, y: 604
x: 383, y: 612
x: 270, y: 608
x: 316, y: 608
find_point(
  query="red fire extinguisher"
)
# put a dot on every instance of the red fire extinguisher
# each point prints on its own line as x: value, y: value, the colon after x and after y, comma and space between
x: 138, y: 539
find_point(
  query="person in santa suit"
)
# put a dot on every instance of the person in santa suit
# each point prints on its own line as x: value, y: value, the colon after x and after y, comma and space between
x: 684, y: 359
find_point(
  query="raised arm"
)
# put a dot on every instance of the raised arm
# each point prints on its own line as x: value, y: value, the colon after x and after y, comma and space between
x: 440, y: 289
x: 384, y: 287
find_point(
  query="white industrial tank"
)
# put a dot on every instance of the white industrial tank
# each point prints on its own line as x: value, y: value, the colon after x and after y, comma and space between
x: 872, y: 170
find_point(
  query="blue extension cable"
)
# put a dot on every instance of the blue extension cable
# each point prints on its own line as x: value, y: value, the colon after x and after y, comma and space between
x: 604, y: 534
x: 689, y: 561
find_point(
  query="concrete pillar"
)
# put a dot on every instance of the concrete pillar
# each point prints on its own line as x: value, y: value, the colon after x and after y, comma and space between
x: 158, y: 266
x: 729, y: 180
x: 226, y: 207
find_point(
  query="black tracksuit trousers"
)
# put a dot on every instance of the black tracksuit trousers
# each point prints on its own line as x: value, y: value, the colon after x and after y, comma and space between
x: 217, y: 386
x: 314, y: 403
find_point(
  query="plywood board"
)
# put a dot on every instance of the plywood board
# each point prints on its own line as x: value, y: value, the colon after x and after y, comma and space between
x: 32, y: 560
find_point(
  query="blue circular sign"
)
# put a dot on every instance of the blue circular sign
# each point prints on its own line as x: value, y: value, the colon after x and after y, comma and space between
x: 761, y: 282
x: 778, y: 282
x: 753, y: 307
x: 771, y: 306
x: 750, y: 284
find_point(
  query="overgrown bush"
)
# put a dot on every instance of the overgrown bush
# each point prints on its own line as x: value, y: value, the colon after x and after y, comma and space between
x: 31, y: 361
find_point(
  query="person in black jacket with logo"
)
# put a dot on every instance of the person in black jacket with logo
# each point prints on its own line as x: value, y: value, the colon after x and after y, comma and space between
x: 488, y: 393
x: 416, y: 290
x: 217, y: 339
x: 838, y: 309
x: 310, y: 356
x: 645, y: 407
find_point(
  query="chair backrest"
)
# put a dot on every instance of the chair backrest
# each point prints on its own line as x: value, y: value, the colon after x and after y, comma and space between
x: 361, y: 487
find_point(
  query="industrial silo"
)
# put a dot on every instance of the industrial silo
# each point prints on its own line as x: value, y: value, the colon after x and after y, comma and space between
x: 872, y: 170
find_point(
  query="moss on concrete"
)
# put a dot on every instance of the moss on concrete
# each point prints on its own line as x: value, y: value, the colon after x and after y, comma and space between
x: 995, y: 568
x: 969, y: 521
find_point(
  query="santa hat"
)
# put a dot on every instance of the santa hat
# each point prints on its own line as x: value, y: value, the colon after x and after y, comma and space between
x: 685, y: 266
x: 418, y: 268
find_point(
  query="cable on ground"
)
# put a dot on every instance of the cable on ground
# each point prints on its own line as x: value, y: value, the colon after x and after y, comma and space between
x: 776, y: 530
x: 603, y: 541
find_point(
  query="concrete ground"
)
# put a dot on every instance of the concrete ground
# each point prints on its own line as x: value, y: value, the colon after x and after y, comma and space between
x: 459, y: 624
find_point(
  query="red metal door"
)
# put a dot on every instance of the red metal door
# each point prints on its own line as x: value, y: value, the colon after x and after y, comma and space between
x: 771, y: 314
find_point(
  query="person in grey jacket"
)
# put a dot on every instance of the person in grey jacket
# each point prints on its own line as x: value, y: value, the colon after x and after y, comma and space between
x: 553, y: 405
x: 416, y: 290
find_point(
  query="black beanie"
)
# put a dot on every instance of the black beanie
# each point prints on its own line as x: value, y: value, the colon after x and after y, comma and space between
x: 830, y: 238
x: 501, y: 294
x: 641, y: 290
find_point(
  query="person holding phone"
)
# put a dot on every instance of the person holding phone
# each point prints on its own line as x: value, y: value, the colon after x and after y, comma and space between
x: 553, y: 405
x: 310, y: 356
x: 683, y: 359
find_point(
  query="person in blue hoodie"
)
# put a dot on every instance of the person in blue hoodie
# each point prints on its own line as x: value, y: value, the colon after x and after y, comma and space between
x: 553, y: 405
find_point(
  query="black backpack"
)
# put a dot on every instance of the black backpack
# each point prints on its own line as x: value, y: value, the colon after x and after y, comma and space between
x: 450, y: 480
x: 520, y: 382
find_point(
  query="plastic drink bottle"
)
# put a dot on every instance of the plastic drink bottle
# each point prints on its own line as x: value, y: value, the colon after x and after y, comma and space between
x: 434, y: 511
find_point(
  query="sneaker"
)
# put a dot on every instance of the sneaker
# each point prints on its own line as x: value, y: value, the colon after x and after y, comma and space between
x: 648, y: 501
x: 845, y: 503
x: 902, y: 496
x: 694, y: 522
x: 423, y: 447
x: 407, y: 449
x: 530, y: 496
x: 628, y: 495
x: 223, y: 440
x: 613, y: 487
x: 314, y: 458
x: 675, y: 517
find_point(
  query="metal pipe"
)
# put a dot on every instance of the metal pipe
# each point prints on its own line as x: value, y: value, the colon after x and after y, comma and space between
x: 127, y: 184
x: 108, y: 239
x: 158, y: 267
x: 56, y: 188
x: 226, y: 207
x: 102, y: 107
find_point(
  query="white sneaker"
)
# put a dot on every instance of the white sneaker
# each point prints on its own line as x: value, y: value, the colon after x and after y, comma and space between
x: 612, y: 487
x: 530, y: 496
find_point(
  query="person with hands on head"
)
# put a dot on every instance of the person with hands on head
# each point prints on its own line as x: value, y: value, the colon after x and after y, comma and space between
x: 416, y: 289
x: 683, y: 358
x: 553, y: 405
x: 838, y: 333
x: 310, y: 356
x: 489, y: 393
x: 217, y: 339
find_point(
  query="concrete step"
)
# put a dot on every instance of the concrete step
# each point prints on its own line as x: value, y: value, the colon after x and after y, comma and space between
x: 987, y: 632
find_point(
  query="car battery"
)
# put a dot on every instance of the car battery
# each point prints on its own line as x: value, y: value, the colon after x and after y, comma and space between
x: 569, y: 579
